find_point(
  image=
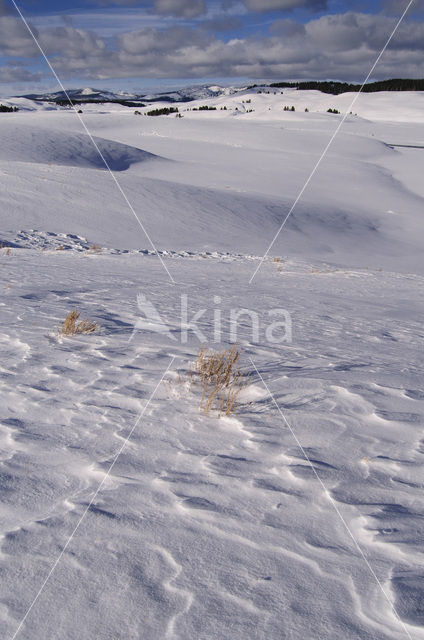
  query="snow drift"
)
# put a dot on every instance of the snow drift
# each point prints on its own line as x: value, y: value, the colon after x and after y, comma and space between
x: 23, y: 143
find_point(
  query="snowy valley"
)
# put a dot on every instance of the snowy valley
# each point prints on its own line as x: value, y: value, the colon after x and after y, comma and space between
x: 125, y: 511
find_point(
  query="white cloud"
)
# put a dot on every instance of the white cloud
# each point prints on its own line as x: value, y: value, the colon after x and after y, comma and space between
x: 339, y: 47
x: 70, y: 42
x: 334, y: 46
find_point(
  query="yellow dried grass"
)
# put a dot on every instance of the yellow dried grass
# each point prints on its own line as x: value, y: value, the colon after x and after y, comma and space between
x: 72, y: 327
x: 220, y: 378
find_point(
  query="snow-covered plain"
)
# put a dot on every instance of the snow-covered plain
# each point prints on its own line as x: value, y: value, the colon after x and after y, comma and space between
x: 207, y: 528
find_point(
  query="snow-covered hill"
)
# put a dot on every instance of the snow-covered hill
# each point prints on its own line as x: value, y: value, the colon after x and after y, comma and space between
x: 47, y: 146
x: 300, y: 515
x: 88, y: 94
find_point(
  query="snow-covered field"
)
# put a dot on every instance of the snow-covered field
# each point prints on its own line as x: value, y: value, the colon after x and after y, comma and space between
x: 299, y: 516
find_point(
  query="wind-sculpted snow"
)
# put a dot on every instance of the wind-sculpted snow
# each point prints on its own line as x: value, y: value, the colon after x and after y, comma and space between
x: 207, y: 528
x: 23, y: 143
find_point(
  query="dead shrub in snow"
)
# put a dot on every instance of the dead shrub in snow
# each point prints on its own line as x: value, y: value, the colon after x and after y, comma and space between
x: 220, y: 378
x: 72, y: 327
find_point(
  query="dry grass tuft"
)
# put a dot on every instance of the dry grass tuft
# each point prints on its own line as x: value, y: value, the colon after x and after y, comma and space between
x: 72, y: 327
x: 220, y: 378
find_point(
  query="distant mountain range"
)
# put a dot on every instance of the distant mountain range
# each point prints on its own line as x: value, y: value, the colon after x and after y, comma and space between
x: 88, y: 95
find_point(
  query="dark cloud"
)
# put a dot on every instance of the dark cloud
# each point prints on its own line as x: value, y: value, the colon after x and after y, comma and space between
x: 5, y: 8
x: 397, y: 7
x: 176, y: 8
x: 18, y: 74
x: 339, y: 47
x: 196, y: 8
x: 15, y: 41
x: 157, y: 41
x: 346, y: 32
x: 66, y: 41
x: 119, y: 3
x: 181, y: 8
x: 285, y: 5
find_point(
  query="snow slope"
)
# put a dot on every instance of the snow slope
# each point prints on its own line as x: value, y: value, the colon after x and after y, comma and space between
x: 207, y: 528
x: 243, y: 172
x: 39, y: 145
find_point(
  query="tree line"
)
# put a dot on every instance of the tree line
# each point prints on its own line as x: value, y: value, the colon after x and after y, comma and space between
x: 335, y: 88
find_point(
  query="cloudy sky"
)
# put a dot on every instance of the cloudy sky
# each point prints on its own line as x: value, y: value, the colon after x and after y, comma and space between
x: 135, y: 44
